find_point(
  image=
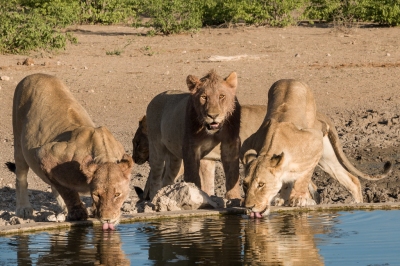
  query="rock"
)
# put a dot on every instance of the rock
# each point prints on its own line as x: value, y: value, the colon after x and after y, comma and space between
x: 15, y: 220
x: 56, y: 218
x: 5, y: 78
x: 60, y: 217
x: 51, y: 218
x: 182, y: 196
x: 28, y: 62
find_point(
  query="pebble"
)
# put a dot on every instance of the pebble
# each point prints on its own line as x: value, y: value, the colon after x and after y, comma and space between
x: 5, y: 78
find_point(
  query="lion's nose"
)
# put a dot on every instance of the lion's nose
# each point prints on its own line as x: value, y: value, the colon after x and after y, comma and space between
x: 213, y: 116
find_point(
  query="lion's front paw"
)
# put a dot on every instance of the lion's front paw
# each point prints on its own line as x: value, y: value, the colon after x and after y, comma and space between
x: 24, y: 212
x: 77, y: 213
x: 231, y: 195
x: 278, y: 201
x: 301, y: 200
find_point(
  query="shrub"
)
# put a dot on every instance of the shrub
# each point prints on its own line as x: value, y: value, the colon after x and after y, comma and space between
x: 348, y: 11
x: 263, y: 12
x: 174, y: 16
x: 23, y: 29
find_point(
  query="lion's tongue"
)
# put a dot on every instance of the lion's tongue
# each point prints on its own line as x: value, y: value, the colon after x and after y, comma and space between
x: 255, y: 215
x: 214, y: 125
x: 107, y: 226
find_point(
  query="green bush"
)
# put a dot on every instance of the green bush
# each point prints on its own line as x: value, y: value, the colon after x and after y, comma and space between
x: 174, y: 16
x: 107, y: 11
x: 386, y: 12
x: 263, y: 12
x: 27, y: 25
x: 23, y: 29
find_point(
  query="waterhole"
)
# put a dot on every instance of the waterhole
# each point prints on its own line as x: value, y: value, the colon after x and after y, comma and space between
x: 313, y: 238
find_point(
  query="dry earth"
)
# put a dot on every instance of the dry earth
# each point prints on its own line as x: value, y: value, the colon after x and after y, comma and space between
x: 354, y: 77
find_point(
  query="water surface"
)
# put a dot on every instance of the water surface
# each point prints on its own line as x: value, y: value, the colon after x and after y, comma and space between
x: 314, y: 238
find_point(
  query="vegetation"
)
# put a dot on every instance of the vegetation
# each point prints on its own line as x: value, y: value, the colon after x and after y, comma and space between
x: 28, y: 25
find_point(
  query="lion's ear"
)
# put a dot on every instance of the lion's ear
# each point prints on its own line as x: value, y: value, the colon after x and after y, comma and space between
x: 192, y: 82
x: 143, y: 124
x: 231, y: 80
x: 88, y: 167
x: 126, y: 165
x: 249, y: 156
x: 277, y: 160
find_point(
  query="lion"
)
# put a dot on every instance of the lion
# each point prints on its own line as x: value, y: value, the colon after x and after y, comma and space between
x: 55, y: 137
x: 140, y: 143
x: 187, y: 126
x: 251, y: 117
x: 282, y: 154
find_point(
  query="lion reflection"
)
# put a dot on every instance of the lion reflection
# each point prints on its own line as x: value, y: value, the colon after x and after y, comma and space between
x: 78, y: 246
x: 287, y: 239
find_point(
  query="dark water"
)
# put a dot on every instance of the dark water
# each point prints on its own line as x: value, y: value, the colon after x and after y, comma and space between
x: 328, y: 238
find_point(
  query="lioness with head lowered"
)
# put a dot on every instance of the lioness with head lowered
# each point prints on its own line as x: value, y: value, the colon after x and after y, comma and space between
x: 188, y: 126
x: 55, y: 137
x: 292, y: 140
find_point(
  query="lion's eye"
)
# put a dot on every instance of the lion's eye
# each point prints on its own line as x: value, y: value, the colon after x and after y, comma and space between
x: 203, y: 97
x: 222, y: 97
x: 260, y: 184
x: 116, y: 195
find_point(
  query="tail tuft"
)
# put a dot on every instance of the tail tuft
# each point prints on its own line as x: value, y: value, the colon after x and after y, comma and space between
x: 11, y: 166
x: 387, y: 168
x: 139, y: 192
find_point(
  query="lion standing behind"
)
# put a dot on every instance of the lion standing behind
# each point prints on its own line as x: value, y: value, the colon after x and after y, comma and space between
x: 188, y: 126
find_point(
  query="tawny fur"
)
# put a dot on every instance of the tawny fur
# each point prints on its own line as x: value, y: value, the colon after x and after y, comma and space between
x: 251, y: 118
x: 292, y: 140
x: 188, y: 126
x: 140, y: 143
x: 55, y: 137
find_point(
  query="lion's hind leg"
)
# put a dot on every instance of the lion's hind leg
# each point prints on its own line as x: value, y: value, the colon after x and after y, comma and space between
x: 23, y: 207
x: 157, y: 168
x: 172, y: 168
x: 331, y: 165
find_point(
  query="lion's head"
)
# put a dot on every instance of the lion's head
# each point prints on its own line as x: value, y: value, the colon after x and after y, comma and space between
x: 262, y: 181
x: 213, y: 98
x: 140, y: 142
x: 109, y: 187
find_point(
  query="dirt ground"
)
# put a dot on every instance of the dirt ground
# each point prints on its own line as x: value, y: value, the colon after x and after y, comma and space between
x: 353, y: 75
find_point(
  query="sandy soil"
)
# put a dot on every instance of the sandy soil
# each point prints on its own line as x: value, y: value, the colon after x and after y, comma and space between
x: 353, y: 75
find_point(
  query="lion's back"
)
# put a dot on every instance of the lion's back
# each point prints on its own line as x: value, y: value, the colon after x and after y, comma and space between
x: 166, y: 120
x: 43, y: 108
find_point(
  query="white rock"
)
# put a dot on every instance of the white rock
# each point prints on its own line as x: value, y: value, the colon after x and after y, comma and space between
x: 182, y: 196
x: 5, y: 78
x: 51, y: 218
x: 61, y: 217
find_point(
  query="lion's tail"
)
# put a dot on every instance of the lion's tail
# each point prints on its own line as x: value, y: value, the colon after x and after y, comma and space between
x: 11, y: 166
x: 337, y: 147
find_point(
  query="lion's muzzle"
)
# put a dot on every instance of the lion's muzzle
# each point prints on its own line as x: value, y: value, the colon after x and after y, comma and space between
x: 213, y: 126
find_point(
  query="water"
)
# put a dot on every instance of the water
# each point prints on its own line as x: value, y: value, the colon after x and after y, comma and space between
x: 326, y: 238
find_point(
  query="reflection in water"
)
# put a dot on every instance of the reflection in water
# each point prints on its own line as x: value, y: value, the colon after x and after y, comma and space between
x: 282, y: 239
x: 78, y: 246
x: 286, y: 239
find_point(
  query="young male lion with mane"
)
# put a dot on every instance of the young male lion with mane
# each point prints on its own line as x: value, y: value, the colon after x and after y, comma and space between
x: 55, y: 137
x: 188, y: 126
